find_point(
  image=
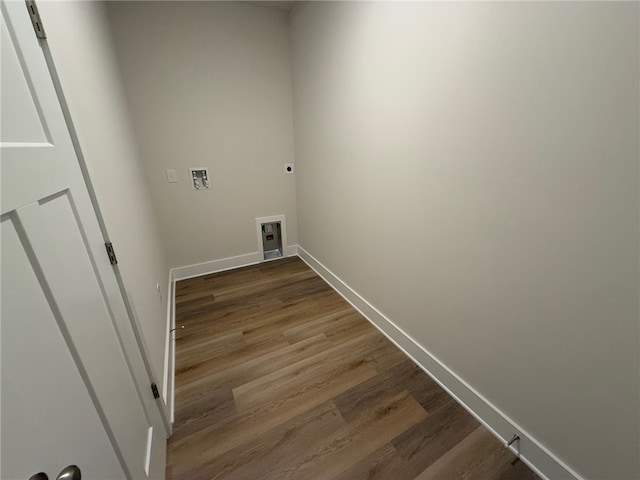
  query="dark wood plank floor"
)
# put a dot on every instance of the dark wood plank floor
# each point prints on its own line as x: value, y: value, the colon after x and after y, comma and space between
x: 277, y: 377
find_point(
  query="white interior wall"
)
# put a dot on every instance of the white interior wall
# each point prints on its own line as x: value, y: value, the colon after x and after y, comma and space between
x: 82, y: 52
x: 471, y: 169
x: 209, y: 85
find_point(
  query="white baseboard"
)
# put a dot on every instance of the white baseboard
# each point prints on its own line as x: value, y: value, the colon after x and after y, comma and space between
x: 213, y: 266
x: 229, y: 263
x: 168, y: 392
x: 533, y: 453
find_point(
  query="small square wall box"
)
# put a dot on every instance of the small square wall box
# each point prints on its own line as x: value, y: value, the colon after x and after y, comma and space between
x: 199, y: 178
x: 172, y: 176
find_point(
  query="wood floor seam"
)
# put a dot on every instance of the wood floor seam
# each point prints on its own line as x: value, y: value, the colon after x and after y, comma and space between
x: 278, y: 377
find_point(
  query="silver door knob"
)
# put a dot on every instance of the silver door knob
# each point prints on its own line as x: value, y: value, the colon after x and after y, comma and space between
x: 39, y: 476
x: 72, y: 472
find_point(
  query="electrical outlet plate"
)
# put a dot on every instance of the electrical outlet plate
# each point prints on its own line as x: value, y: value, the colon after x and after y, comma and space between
x: 289, y: 169
x: 199, y: 178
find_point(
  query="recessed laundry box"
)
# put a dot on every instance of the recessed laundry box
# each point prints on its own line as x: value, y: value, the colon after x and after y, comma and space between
x: 271, y: 240
x: 271, y: 236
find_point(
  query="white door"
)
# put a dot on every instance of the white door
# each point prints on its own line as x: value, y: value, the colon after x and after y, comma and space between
x: 70, y: 392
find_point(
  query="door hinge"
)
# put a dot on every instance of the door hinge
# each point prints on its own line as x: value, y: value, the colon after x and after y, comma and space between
x: 111, y: 253
x: 154, y: 389
x: 35, y: 18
